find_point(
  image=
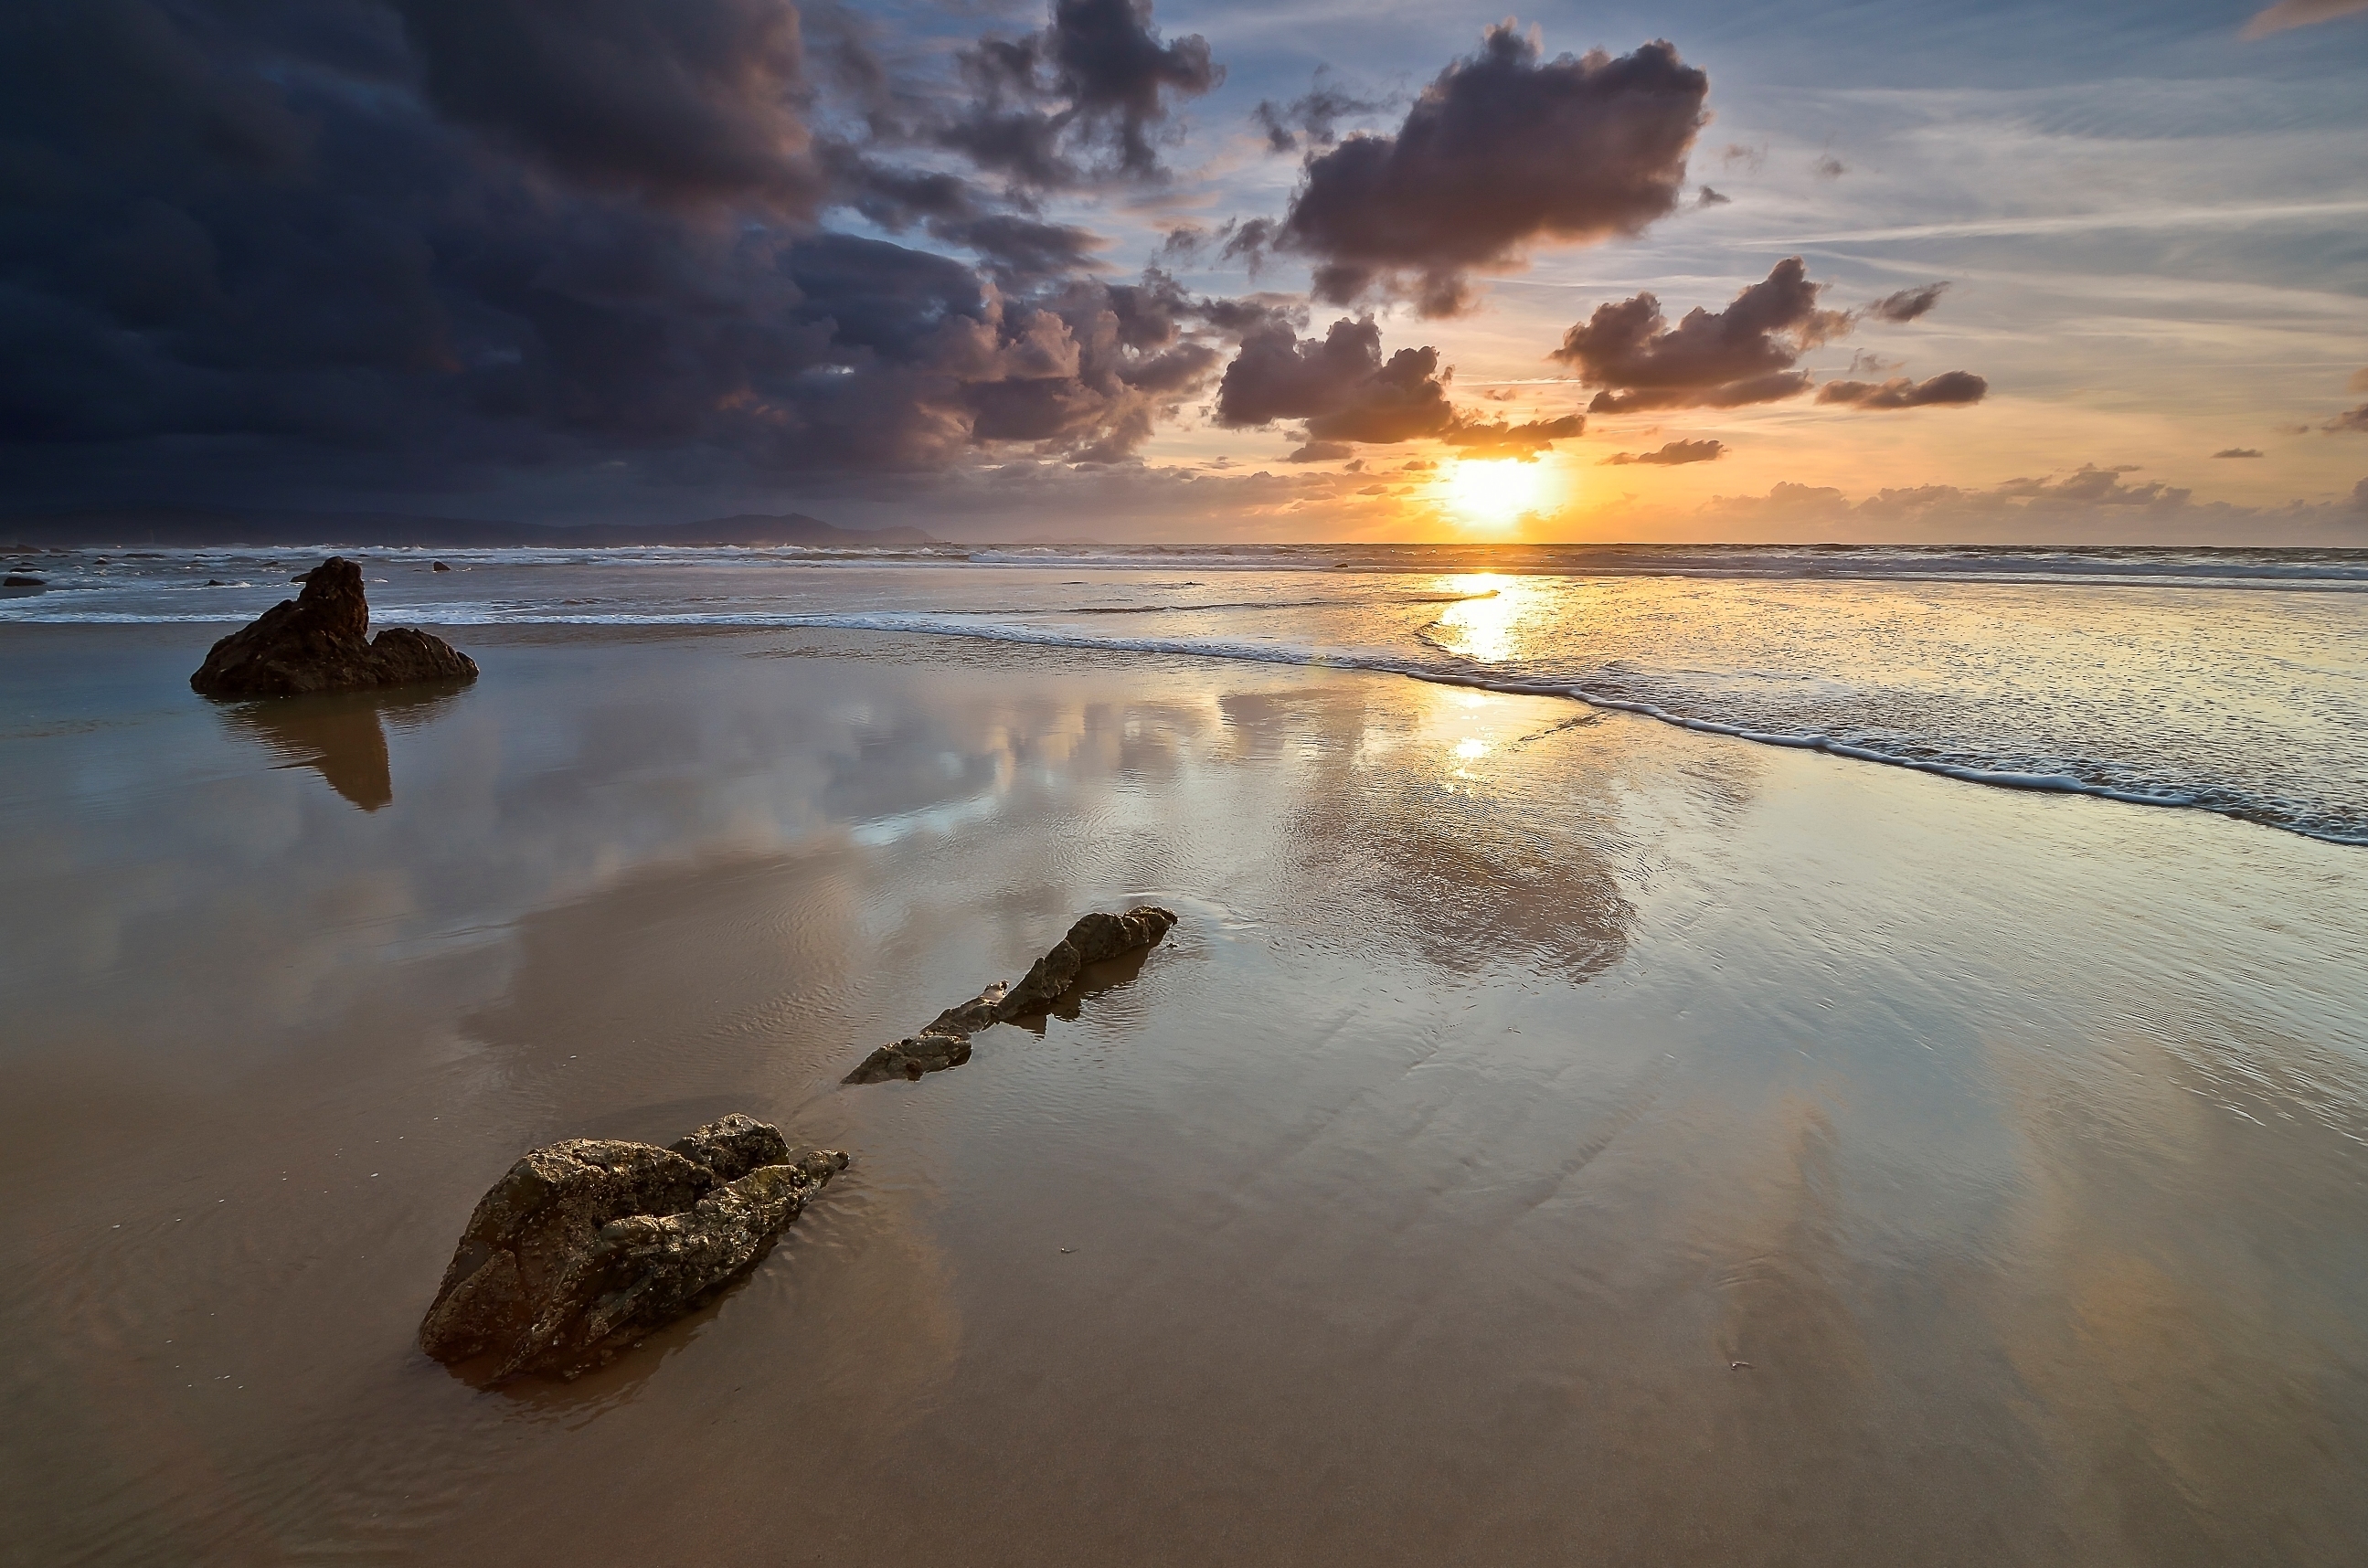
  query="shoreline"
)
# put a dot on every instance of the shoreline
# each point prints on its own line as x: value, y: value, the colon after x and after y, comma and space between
x: 925, y: 626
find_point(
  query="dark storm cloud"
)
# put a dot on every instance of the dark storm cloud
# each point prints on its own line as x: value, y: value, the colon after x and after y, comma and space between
x: 1709, y: 198
x: 2354, y: 420
x: 1096, y: 79
x: 1907, y: 303
x: 693, y: 100
x: 404, y: 245
x: 1947, y: 389
x: 1345, y: 390
x: 1500, y: 151
x: 1313, y: 119
x: 2238, y: 452
x: 1743, y: 354
x: 1021, y: 251
x: 1673, y: 453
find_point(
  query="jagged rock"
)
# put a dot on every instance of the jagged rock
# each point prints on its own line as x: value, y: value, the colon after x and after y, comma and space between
x: 320, y: 641
x: 1093, y: 939
x: 439, y: 566
x: 21, y: 580
x: 588, y: 1245
x: 945, y: 1041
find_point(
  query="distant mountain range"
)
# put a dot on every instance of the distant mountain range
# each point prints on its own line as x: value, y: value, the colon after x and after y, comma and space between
x: 190, y: 527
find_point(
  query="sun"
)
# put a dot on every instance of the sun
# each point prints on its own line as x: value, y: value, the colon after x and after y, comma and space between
x: 1494, y: 493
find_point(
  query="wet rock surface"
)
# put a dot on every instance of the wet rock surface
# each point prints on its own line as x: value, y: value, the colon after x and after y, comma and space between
x: 586, y: 1246
x: 320, y: 641
x: 945, y: 1041
x: 22, y: 580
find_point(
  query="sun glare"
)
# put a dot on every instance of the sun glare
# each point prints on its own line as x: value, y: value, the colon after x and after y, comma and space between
x: 1494, y: 493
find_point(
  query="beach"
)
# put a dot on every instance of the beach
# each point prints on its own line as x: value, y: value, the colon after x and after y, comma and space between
x: 1550, y: 1133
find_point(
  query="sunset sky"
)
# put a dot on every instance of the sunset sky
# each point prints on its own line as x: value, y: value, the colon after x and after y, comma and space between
x: 2028, y: 273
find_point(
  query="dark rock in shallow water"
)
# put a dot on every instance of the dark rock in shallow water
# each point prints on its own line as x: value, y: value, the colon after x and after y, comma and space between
x: 320, y: 641
x: 1092, y: 940
x: 439, y: 566
x: 19, y: 580
x: 945, y: 1041
x: 586, y: 1246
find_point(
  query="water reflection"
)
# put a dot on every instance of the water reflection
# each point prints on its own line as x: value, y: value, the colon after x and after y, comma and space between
x: 342, y: 735
x: 1483, y: 629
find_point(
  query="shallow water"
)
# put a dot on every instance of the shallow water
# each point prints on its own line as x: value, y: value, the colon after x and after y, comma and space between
x: 1550, y: 1133
x: 2231, y: 681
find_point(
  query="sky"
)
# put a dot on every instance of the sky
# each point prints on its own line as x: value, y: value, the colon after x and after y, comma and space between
x: 1302, y: 269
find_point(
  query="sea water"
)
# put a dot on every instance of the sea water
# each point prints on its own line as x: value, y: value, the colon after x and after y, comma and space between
x: 2233, y: 681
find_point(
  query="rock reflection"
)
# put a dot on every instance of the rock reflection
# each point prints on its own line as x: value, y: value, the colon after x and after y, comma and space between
x: 342, y: 735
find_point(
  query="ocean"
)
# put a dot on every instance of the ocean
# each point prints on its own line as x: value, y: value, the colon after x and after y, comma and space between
x: 2232, y: 681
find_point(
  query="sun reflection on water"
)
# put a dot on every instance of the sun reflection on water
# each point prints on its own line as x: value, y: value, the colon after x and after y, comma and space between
x: 1479, y: 627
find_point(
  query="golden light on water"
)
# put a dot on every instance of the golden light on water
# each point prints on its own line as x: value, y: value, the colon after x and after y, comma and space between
x: 1494, y: 493
x: 1481, y: 627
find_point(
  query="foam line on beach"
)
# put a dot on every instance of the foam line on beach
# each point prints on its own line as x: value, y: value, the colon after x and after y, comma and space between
x: 939, y: 625
x: 969, y: 626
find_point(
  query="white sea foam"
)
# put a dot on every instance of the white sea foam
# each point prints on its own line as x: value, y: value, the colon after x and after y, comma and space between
x: 2023, y: 669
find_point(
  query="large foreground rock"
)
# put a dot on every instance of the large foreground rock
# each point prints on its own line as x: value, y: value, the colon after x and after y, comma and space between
x: 320, y: 641
x: 945, y: 1041
x: 586, y: 1246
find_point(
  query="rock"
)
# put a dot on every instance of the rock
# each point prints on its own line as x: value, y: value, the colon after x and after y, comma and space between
x: 588, y: 1245
x: 320, y: 641
x: 21, y: 580
x: 945, y: 1041
x: 1092, y: 940
x: 438, y: 566
x: 911, y: 1057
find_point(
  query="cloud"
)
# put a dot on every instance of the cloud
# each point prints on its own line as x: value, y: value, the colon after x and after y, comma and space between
x: 1501, y: 151
x: 2353, y: 420
x: 2287, y: 14
x: 1345, y: 390
x: 1829, y: 167
x: 2237, y: 452
x: 1673, y: 453
x: 1502, y: 439
x: 1313, y: 119
x: 1097, y: 79
x: 1022, y: 251
x: 2093, y: 504
x: 1339, y: 384
x: 1947, y: 389
x: 2359, y: 381
x: 1709, y: 198
x: 1907, y: 303
x: 1743, y: 354
x: 313, y: 251
x: 1322, y: 453
x: 691, y: 101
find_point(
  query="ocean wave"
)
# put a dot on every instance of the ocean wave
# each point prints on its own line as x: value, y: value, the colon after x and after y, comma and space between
x: 2001, y: 772
x: 1747, y: 701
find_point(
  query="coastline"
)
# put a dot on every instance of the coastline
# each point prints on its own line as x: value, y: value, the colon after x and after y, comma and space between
x: 1512, y: 1073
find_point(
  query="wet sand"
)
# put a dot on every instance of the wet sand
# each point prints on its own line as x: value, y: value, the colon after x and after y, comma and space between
x: 1546, y: 1138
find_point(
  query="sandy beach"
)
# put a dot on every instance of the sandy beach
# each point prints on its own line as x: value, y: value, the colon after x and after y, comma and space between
x: 1548, y: 1135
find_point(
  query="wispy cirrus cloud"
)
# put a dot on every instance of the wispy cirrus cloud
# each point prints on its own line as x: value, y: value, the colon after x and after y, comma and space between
x: 2287, y: 14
